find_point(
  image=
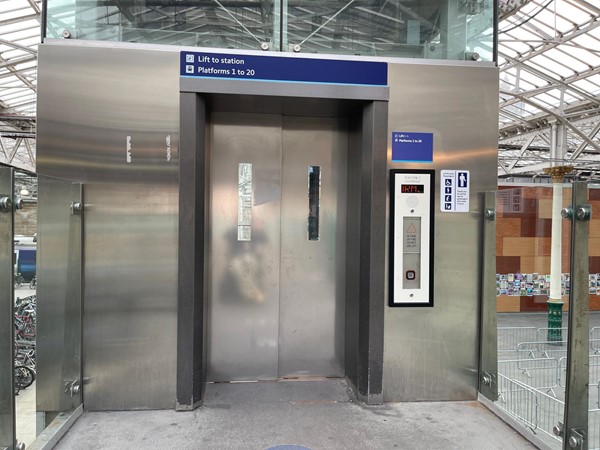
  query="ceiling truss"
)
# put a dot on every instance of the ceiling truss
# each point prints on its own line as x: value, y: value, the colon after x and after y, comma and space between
x: 549, y: 60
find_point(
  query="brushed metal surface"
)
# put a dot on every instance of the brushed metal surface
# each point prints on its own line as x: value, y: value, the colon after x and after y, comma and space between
x: 432, y: 354
x: 59, y: 303
x: 276, y: 305
x: 365, y: 251
x: 7, y: 398
x: 288, y: 89
x: 243, y: 305
x: 192, y: 268
x: 131, y: 209
x: 311, y: 313
x: 578, y: 375
x: 488, y: 359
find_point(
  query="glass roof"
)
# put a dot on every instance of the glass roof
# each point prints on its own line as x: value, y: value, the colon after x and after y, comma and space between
x: 549, y: 60
x: 19, y: 38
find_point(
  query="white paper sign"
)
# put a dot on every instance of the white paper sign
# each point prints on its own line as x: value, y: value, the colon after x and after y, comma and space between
x: 454, y: 190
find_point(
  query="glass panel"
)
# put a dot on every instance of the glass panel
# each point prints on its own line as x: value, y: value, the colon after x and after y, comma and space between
x: 25, y: 304
x: 429, y: 29
x: 532, y: 288
x: 244, y: 202
x: 47, y: 333
x: 314, y: 202
x: 480, y: 31
x: 217, y: 24
x: 7, y: 436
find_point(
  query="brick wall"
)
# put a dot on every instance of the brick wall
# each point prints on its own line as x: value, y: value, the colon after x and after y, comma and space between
x: 523, y: 240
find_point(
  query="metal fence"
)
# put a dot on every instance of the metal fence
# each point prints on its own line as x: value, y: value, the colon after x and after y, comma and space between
x: 534, y: 409
x: 510, y: 337
x: 541, y: 374
x: 532, y: 379
x: 542, y: 349
x: 595, y: 340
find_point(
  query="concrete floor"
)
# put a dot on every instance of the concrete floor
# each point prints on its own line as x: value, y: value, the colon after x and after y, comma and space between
x: 313, y: 414
x: 25, y: 414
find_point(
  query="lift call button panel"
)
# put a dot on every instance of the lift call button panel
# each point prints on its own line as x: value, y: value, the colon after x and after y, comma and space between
x: 411, y: 252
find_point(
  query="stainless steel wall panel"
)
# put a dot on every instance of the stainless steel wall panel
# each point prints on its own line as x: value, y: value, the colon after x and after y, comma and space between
x: 432, y: 353
x: 311, y: 330
x: 7, y: 395
x: 130, y: 313
x: 243, y: 308
x: 59, y: 306
x: 288, y: 89
x: 105, y: 95
x: 109, y: 117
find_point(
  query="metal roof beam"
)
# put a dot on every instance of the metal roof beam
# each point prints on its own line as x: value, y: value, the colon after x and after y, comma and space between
x: 18, y: 46
x: 566, y: 37
x: 15, y: 149
x: 19, y: 19
x: 588, y: 5
x: 34, y: 6
x: 560, y: 118
x: 547, y: 77
x: 538, y: 167
x: 522, y: 151
x: 584, y: 144
x: 30, y: 152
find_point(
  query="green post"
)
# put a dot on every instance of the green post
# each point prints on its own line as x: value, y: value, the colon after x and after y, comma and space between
x: 555, y: 320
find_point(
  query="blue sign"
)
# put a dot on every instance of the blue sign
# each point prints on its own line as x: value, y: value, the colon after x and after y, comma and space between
x: 412, y: 147
x: 463, y: 179
x: 279, y: 68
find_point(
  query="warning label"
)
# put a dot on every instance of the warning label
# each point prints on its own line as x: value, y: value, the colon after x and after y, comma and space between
x: 412, y: 234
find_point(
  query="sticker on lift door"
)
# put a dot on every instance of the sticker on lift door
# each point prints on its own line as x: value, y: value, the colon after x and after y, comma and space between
x: 454, y: 190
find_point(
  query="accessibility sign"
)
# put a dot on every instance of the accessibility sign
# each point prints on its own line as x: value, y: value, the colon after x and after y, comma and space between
x: 454, y: 191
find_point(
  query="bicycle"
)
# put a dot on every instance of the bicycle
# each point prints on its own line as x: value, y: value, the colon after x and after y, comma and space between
x: 24, y: 377
x: 19, y: 280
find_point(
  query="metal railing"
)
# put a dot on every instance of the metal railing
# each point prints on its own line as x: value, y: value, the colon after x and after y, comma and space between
x: 535, y: 409
x: 531, y: 384
x: 541, y: 349
x: 595, y: 340
x: 541, y: 374
x: 510, y: 337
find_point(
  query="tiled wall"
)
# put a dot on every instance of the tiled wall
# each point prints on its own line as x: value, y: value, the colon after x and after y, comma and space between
x: 523, y: 240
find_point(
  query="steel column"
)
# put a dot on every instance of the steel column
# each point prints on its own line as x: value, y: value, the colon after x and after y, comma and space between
x: 193, y: 219
x: 575, y: 431
x: 7, y: 398
x: 488, y: 350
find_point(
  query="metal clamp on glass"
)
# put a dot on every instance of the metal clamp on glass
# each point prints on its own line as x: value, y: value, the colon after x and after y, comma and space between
x: 5, y: 204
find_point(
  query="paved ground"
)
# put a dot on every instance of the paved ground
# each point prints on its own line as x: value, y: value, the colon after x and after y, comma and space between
x: 312, y: 414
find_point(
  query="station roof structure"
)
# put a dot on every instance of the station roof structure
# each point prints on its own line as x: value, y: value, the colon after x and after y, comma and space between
x: 19, y: 38
x: 549, y: 60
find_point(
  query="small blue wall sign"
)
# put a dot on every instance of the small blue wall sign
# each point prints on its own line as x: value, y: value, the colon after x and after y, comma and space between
x: 412, y: 147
